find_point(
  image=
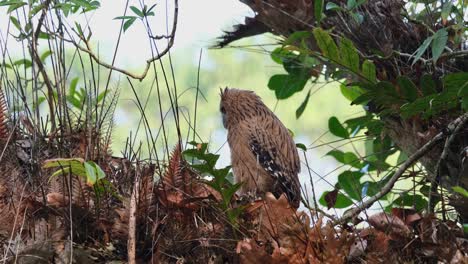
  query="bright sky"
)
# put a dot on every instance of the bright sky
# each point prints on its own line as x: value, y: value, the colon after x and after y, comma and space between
x: 199, y: 23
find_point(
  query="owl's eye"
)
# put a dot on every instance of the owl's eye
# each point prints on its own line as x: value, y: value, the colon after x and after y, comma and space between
x: 222, y: 109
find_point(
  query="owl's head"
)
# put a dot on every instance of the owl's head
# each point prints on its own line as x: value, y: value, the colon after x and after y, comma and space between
x: 237, y: 105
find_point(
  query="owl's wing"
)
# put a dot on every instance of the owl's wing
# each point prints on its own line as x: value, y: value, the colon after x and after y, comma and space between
x: 276, y: 152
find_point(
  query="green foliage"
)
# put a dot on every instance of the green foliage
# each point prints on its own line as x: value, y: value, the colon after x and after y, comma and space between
x: 140, y: 14
x: 460, y: 190
x: 204, y: 162
x: 88, y: 170
x: 336, y: 128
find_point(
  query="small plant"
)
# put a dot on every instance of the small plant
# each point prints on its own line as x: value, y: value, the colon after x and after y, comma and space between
x: 88, y: 170
x: 204, y: 162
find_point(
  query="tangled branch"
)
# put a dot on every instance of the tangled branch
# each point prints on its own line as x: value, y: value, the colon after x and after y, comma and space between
x: 451, y: 129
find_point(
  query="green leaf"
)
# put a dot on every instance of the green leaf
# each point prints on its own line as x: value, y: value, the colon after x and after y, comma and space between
x: 428, y: 86
x: 137, y: 11
x: 406, y: 200
x: 351, y: 4
x: 460, y: 190
x: 15, y: 6
x: 420, y: 51
x: 318, y: 10
x: 350, y: 182
x: 286, y: 85
x: 438, y: 43
x: 336, y: 128
x: 128, y: 23
x: 349, y: 55
x: 15, y: 22
x: 407, y: 88
x: 446, y: 10
x: 92, y: 175
x: 45, y: 55
x: 326, y: 44
x: 25, y: 62
x: 124, y: 17
x: 351, y: 92
x: 280, y: 54
x: 364, y: 98
x: 347, y: 158
x: 294, y: 37
x: 302, y: 107
x: 301, y: 146
x: 369, y: 72
x: 339, y: 200
x: 150, y: 9
x: 330, y: 6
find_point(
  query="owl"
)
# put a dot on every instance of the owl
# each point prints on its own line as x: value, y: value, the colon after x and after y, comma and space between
x: 263, y: 154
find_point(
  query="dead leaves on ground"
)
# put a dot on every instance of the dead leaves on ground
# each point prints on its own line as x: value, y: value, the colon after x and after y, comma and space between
x: 283, y: 235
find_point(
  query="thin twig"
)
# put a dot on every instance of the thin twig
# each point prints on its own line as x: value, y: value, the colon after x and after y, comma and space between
x: 131, y: 246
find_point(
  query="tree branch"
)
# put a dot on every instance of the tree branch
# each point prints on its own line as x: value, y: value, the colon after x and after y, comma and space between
x: 410, y: 161
x: 141, y: 76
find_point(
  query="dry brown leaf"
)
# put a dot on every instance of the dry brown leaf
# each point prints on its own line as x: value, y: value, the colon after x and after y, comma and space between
x: 389, y: 223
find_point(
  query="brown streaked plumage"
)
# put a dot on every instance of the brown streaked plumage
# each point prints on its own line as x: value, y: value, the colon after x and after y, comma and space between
x: 263, y: 154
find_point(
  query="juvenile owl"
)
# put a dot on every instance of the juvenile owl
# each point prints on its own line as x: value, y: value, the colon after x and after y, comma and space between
x: 263, y: 154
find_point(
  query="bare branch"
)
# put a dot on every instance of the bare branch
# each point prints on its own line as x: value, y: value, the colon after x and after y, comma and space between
x: 141, y: 76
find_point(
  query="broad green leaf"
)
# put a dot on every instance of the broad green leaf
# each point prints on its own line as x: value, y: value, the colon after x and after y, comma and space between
x: 455, y: 81
x: 326, y: 44
x: 438, y: 43
x: 303, y: 106
x: 349, y: 55
x: 368, y: 70
x: 91, y: 176
x: 318, y: 10
x: 337, y: 201
x: 428, y: 86
x: 336, y: 128
x: 286, y: 85
x: 363, y: 98
x: 280, y: 54
x: 351, y: 92
x: 407, y: 88
x: 350, y: 182
x: 347, y: 158
x: 407, y: 200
